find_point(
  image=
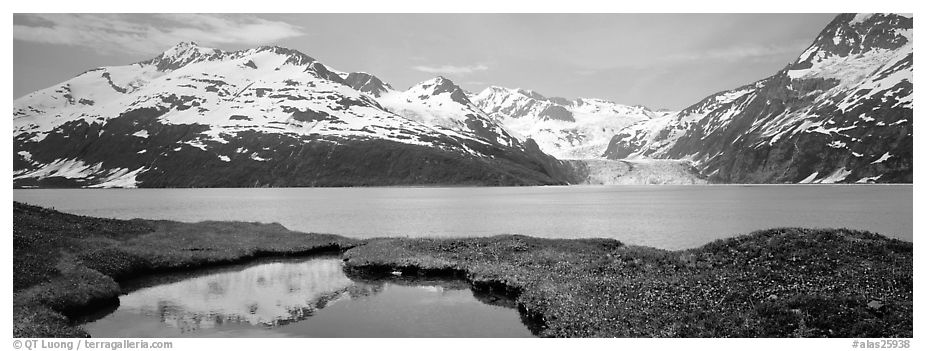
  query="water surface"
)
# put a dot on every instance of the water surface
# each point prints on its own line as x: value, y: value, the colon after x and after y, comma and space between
x: 670, y: 217
x: 303, y: 298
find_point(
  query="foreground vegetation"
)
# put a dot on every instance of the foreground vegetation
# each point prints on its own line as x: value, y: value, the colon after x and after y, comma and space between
x: 775, y: 283
x: 66, y: 265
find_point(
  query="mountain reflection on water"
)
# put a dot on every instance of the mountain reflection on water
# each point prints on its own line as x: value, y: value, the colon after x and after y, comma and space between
x: 269, y: 294
x: 274, y: 298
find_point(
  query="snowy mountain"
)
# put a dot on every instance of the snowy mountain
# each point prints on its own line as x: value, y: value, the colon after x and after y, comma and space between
x: 440, y: 102
x: 580, y: 128
x: 268, y: 116
x: 841, y: 112
x: 271, y: 116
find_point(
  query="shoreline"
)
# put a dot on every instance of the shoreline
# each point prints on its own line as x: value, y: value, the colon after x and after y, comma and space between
x: 571, y: 287
x: 464, y: 186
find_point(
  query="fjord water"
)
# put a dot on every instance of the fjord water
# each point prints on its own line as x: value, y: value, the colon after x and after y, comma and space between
x: 303, y: 298
x: 669, y: 217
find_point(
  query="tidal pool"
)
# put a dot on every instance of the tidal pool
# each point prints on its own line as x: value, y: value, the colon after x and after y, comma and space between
x: 303, y: 298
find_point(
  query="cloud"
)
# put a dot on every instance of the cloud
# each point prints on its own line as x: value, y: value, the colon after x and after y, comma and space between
x: 735, y: 53
x: 781, y: 53
x: 451, y: 70
x: 587, y: 72
x: 150, y: 33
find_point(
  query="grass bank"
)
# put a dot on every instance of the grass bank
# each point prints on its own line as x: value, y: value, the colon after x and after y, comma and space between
x: 775, y: 283
x: 789, y: 282
x: 65, y: 265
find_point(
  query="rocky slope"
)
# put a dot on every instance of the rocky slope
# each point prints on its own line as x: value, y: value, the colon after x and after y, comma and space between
x: 579, y: 128
x: 841, y: 112
x: 270, y: 116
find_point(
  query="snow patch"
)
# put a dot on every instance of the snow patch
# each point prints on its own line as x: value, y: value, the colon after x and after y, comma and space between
x: 859, y: 18
x: 26, y: 155
x: 868, y: 179
x: 835, y: 177
x: 121, y: 178
x: 809, y: 178
x: 71, y: 169
x: 258, y: 158
x: 197, y: 144
x: 798, y: 74
x: 883, y: 158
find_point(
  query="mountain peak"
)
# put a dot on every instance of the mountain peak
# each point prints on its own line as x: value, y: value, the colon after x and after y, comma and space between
x: 184, y: 48
x: 180, y: 55
x: 853, y: 34
x: 367, y: 83
x: 532, y: 94
x: 186, y: 44
x: 440, y: 81
x: 493, y: 90
x: 440, y: 85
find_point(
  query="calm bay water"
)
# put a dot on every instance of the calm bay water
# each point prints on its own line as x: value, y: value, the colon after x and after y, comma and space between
x: 670, y: 217
x: 303, y: 298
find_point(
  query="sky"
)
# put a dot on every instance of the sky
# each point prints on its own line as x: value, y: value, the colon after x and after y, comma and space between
x: 663, y: 61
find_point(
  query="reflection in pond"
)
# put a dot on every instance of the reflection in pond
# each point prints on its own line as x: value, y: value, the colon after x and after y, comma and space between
x: 304, y: 298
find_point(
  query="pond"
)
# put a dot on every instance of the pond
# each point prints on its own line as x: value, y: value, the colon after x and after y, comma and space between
x: 310, y: 297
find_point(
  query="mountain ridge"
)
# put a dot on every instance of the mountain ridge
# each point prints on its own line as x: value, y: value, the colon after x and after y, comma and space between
x: 267, y: 116
x: 578, y: 128
x: 273, y: 116
x: 840, y: 112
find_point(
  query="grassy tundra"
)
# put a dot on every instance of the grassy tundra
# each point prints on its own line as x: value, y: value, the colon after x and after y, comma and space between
x: 66, y: 265
x: 788, y: 282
